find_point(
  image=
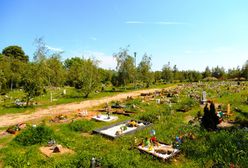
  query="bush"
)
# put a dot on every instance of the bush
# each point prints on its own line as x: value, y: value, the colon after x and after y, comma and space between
x: 82, y: 125
x: 35, y: 135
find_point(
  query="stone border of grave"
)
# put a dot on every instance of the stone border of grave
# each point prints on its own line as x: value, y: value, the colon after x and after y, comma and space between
x: 142, y: 150
x: 98, y: 131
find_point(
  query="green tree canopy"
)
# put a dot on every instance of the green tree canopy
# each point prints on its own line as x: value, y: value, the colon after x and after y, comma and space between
x: 41, y: 51
x: 218, y: 72
x: 207, y: 72
x: 167, y: 73
x: 144, y: 70
x: 33, y: 81
x: 125, y: 67
x: 55, y: 72
x: 245, y: 70
x: 84, y: 74
x: 15, y: 52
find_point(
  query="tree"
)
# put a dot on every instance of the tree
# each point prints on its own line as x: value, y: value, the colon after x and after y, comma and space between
x: 72, y: 66
x: 55, y: 72
x: 157, y: 75
x: 41, y: 50
x: 125, y: 67
x: 218, y: 72
x: 234, y: 73
x: 193, y: 76
x: 5, y: 73
x: 33, y: 81
x: 207, y: 72
x: 167, y: 73
x: 84, y: 75
x: 15, y: 52
x: 245, y: 70
x: 3, y: 80
x: 12, y: 69
x: 70, y: 61
x: 144, y: 70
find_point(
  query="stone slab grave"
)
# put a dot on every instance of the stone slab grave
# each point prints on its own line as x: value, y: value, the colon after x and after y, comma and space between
x: 163, y: 151
x: 122, y: 128
x: 105, y: 118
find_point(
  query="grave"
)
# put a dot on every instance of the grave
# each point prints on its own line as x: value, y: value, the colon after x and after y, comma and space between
x: 161, y: 151
x: 60, y: 119
x: 122, y: 128
x: 123, y: 112
x: 57, y: 149
x: 105, y: 118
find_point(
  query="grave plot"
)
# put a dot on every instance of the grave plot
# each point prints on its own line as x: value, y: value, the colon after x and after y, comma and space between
x: 57, y: 149
x: 161, y: 151
x: 60, y: 119
x: 122, y: 128
x: 16, y: 128
x: 123, y: 112
x: 105, y: 118
x: 85, y: 114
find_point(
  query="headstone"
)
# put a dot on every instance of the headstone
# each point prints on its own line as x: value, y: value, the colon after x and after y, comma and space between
x: 64, y: 91
x: 51, y: 97
x: 204, y: 97
x: 228, y: 109
x: 56, y: 149
x: 93, y: 163
x: 158, y: 101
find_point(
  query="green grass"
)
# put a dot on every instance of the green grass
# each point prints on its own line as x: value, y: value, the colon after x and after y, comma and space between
x: 220, y: 148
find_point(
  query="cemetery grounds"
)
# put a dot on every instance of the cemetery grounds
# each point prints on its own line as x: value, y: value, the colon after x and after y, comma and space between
x: 176, y: 114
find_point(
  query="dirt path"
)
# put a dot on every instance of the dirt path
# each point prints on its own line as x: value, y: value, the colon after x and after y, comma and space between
x: 11, y: 119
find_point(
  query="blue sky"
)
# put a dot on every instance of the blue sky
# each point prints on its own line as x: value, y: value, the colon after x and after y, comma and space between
x: 191, y: 34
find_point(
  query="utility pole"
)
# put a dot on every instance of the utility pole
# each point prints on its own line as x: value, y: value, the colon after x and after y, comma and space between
x: 135, y: 70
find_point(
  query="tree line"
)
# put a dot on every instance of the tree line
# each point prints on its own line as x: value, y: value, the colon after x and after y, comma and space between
x: 84, y: 74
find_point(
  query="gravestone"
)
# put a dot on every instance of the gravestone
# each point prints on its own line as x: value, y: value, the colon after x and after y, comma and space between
x: 228, y: 109
x: 158, y: 101
x: 204, y: 97
x: 64, y: 92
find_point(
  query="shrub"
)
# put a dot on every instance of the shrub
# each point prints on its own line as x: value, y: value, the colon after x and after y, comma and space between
x: 35, y: 135
x: 82, y: 125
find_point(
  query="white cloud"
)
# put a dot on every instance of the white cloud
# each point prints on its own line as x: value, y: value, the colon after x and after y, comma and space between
x: 106, y: 61
x: 54, y: 49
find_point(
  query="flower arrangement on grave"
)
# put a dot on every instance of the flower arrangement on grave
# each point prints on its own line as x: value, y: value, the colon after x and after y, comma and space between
x: 120, y: 131
x: 177, y: 143
x: 132, y: 123
x: 14, y: 129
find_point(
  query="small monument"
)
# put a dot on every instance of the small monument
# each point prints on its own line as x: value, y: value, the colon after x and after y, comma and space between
x: 204, y: 97
x: 64, y: 92
x: 228, y: 110
x: 158, y: 101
